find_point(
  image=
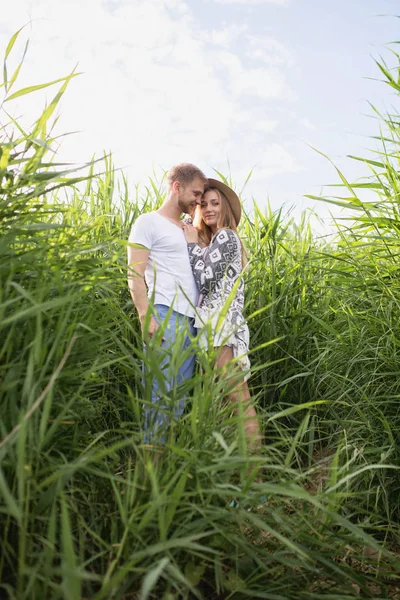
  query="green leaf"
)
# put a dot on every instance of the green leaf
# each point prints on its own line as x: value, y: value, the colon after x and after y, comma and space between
x: 324, y: 324
x: 4, y: 157
x: 175, y: 499
x: 71, y: 578
x: 35, y: 310
x: 12, y: 41
x: 194, y: 573
x: 34, y: 88
x: 40, y: 127
x: 8, y: 498
x: 17, y: 70
x: 296, y: 408
x: 150, y: 581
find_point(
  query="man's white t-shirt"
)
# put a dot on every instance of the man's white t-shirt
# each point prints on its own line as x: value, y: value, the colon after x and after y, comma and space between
x: 168, y: 272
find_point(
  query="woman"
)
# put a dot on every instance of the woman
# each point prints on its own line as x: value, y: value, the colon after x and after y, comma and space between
x: 217, y: 258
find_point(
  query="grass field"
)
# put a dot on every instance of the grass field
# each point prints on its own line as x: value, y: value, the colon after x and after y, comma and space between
x: 84, y: 511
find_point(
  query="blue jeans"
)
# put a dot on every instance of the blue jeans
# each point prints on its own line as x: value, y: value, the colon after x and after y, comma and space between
x: 167, y: 365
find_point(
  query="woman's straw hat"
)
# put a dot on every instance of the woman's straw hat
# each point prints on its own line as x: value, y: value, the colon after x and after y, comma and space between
x: 231, y: 196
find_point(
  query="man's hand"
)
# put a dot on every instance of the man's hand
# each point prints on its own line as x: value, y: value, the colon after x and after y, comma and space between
x: 191, y: 233
x: 151, y: 328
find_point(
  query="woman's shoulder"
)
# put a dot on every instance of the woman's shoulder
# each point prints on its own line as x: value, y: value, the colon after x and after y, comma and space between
x: 226, y: 235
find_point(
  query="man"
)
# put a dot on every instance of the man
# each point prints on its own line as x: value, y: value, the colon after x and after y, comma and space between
x: 160, y: 262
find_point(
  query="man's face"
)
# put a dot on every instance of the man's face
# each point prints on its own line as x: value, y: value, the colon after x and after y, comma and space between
x: 190, y: 195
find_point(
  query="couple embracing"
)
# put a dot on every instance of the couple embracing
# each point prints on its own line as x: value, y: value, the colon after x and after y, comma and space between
x: 186, y: 279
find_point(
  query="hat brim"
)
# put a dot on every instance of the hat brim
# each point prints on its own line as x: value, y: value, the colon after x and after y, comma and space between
x: 231, y: 196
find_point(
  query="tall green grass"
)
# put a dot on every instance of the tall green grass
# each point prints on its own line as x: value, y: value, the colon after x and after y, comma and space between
x: 85, y: 511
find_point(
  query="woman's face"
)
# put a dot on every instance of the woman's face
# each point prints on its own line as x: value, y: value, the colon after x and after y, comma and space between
x: 210, y: 209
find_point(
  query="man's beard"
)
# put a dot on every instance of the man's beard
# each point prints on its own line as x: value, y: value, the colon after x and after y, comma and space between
x: 186, y: 207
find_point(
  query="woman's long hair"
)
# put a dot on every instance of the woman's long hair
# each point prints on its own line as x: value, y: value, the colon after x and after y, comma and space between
x: 226, y: 220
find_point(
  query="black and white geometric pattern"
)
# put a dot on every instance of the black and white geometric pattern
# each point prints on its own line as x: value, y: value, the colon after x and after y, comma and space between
x: 216, y: 270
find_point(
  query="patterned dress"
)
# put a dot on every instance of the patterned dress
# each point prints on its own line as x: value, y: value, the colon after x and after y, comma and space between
x: 217, y: 272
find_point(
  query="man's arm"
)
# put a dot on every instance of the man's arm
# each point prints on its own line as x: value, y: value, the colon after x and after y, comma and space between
x: 137, y: 261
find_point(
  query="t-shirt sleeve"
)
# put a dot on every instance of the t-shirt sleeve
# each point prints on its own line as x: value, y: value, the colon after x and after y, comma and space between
x: 142, y: 232
x: 211, y: 266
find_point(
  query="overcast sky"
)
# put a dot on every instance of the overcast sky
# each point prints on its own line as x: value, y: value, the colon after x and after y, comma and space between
x: 255, y: 82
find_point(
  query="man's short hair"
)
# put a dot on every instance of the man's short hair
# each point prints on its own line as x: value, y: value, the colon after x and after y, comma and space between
x: 185, y: 173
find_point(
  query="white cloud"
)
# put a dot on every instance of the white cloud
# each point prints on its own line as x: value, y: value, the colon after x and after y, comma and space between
x: 267, y: 126
x: 275, y: 159
x: 263, y: 82
x: 227, y: 35
x: 308, y: 124
x: 157, y: 88
x: 269, y: 51
x: 253, y: 2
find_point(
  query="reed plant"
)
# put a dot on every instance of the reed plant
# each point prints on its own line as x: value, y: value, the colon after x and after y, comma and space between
x: 86, y: 510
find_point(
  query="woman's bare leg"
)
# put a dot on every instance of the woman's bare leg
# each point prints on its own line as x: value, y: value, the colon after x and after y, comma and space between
x: 239, y: 394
